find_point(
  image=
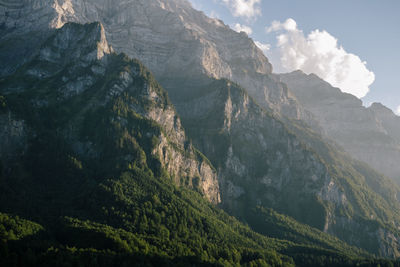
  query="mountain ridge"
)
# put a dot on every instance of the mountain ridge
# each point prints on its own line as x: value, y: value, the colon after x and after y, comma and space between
x: 368, y: 134
x: 174, y: 45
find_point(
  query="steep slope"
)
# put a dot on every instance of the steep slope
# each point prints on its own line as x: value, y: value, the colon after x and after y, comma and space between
x: 76, y: 68
x: 261, y: 163
x: 24, y: 24
x: 389, y: 120
x: 369, y: 134
x: 178, y: 44
x: 93, y: 163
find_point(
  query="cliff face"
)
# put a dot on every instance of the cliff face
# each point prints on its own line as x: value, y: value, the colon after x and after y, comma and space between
x: 261, y: 163
x: 389, y: 121
x: 171, y: 38
x: 24, y: 24
x: 75, y: 75
x: 369, y: 134
x: 257, y: 158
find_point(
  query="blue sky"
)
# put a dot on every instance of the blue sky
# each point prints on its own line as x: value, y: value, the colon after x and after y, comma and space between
x: 365, y: 31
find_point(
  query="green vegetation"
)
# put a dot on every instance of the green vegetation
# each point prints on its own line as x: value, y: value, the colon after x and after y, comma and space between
x: 112, y: 204
x: 371, y: 197
x: 15, y: 228
x: 267, y: 221
x: 88, y: 191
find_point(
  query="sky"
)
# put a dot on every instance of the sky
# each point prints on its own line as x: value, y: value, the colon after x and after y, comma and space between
x: 352, y: 44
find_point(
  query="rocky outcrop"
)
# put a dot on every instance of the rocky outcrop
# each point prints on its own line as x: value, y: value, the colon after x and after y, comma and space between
x: 369, y: 134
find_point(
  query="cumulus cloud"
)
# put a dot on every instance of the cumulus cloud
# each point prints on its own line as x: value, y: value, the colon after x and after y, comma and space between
x: 242, y: 28
x: 288, y: 25
x: 244, y: 8
x: 264, y: 47
x: 319, y: 53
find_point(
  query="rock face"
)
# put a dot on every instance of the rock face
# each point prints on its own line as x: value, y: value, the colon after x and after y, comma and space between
x: 13, y: 136
x: 389, y: 121
x: 171, y: 38
x: 369, y: 134
x: 257, y: 158
x: 162, y: 33
x: 261, y: 163
x: 77, y: 74
x: 24, y: 24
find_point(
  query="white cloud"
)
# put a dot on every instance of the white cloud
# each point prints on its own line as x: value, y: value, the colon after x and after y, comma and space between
x: 244, y: 8
x: 214, y: 14
x: 319, y: 53
x: 397, y: 111
x: 264, y: 47
x: 242, y: 28
x: 288, y: 25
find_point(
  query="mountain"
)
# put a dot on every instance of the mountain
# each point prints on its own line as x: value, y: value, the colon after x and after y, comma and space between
x: 75, y: 111
x: 263, y: 163
x: 369, y: 134
x: 171, y: 38
x: 73, y: 63
x: 96, y: 170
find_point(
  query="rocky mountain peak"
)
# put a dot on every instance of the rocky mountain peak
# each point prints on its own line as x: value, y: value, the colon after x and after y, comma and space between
x: 86, y: 43
x: 380, y: 108
x: 76, y: 44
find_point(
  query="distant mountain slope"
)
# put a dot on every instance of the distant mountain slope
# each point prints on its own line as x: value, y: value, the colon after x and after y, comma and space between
x: 97, y: 166
x: 369, y: 134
